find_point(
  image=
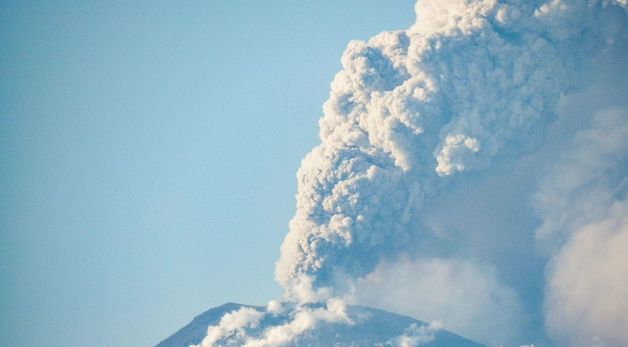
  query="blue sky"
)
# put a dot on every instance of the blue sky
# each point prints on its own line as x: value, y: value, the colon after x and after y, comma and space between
x: 148, y: 155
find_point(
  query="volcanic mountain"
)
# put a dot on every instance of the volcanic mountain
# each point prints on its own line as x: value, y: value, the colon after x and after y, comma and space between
x: 370, y: 327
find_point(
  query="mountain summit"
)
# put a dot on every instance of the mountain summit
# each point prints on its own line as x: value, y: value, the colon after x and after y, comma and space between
x: 370, y: 327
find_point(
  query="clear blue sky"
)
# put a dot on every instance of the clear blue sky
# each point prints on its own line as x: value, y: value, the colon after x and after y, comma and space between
x: 148, y: 154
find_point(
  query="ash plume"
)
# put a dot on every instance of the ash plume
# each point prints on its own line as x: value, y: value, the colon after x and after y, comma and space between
x: 469, y: 89
x: 470, y: 84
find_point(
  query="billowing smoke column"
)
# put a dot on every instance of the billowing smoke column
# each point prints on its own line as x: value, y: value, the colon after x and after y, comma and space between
x: 472, y: 85
x: 472, y: 82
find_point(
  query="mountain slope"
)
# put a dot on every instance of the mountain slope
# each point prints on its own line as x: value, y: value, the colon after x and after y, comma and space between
x: 372, y: 327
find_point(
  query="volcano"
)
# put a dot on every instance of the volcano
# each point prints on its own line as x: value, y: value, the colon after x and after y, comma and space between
x: 371, y: 327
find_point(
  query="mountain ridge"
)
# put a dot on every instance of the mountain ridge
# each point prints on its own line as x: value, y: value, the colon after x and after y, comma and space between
x: 373, y: 327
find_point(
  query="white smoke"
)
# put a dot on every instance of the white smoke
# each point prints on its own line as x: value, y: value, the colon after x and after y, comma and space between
x: 238, y: 328
x: 473, y: 84
x: 580, y: 187
x: 585, y: 217
x: 416, y: 335
x: 467, y: 297
x: 304, y: 319
x: 232, y: 327
x: 470, y: 83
